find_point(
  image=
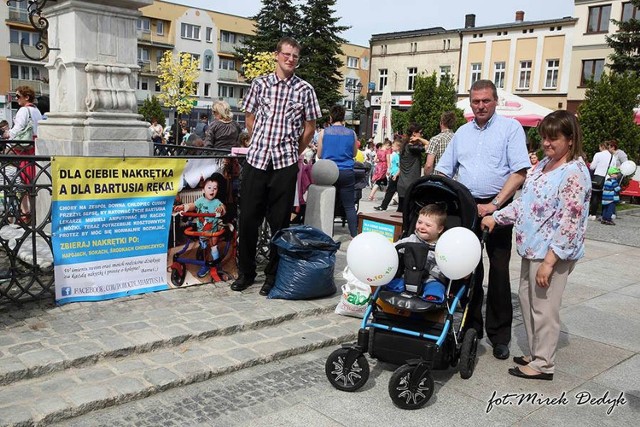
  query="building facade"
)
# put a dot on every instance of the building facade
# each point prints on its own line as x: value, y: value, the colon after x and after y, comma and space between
x: 590, y: 52
x: 16, y: 68
x: 529, y: 59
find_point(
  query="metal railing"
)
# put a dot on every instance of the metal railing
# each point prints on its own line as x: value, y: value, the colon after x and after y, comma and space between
x: 26, y: 256
x: 26, y: 261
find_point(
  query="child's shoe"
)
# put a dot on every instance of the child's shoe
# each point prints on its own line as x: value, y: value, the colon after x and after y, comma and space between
x: 204, y: 270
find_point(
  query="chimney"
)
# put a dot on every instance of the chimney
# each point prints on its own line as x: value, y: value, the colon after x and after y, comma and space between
x: 470, y: 20
x: 520, y: 16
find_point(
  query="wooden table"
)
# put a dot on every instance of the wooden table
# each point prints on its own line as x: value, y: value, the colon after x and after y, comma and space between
x: 389, y: 224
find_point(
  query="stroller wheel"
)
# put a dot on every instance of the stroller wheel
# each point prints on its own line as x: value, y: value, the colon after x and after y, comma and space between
x: 468, y: 353
x: 407, y: 395
x: 178, y: 274
x: 346, y: 378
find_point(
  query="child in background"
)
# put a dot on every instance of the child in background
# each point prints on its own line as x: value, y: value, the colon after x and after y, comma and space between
x: 610, y: 195
x: 393, y: 171
x: 208, y: 204
x: 429, y: 227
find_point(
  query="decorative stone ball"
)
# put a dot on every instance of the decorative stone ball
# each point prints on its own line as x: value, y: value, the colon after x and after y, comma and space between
x: 324, y: 172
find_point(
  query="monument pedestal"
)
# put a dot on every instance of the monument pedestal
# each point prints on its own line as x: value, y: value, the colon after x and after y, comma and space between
x: 93, y: 75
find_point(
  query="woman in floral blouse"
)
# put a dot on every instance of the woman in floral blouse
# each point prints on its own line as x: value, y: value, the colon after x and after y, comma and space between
x: 550, y: 221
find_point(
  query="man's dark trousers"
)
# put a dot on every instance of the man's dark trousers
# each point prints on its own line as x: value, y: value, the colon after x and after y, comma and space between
x: 263, y: 193
x: 499, y: 308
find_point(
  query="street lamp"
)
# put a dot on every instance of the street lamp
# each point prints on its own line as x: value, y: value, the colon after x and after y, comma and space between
x: 353, y: 88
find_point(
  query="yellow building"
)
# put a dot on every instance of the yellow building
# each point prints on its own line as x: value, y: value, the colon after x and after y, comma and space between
x: 590, y: 50
x: 355, y: 72
x: 528, y: 58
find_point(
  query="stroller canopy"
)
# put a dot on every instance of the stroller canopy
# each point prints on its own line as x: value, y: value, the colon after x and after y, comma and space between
x: 462, y: 210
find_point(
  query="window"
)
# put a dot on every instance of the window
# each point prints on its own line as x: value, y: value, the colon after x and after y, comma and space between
x: 208, y: 62
x: 209, y: 34
x: 189, y: 31
x: 383, y: 74
x: 227, y: 37
x: 159, y: 55
x: 525, y: 75
x: 445, y: 70
x: 225, y: 91
x: 160, y: 28
x: 350, y: 82
x: 629, y: 11
x: 498, y: 74
x: 143, y: 54
x: 157, y: 86
x: 25, y: 72
x: 207, y: 89
x: 227, y: 64
x: 352, y: 62
x: 144, y: 84
x: 412, y: 72
x: 591, y: 70
x: 348, y: 105
x: 144, y: 25
x: 553, y: 69
x: 29, y: 38
x: 599, y: 19
x: 476, y: 72
x: 414, y: 47
x: 383, y: 49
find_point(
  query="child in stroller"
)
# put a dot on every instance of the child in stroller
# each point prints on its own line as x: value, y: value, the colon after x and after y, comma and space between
x: 405, y: 329
x: 208, y: 220
x: 429, y: 226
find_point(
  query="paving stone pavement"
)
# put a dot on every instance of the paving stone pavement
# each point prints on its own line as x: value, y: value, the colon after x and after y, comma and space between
x: 57, y: 363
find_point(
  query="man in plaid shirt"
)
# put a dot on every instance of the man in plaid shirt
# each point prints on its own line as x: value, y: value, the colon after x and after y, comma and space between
x: 281, y: 112
x: 439, y: 143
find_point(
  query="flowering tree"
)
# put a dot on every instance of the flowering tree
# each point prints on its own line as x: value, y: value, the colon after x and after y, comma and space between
x: 259, y: 64
x: 177, y: 78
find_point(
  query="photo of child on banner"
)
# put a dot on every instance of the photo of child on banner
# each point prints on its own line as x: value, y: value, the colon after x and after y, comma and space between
x: 202, y: 238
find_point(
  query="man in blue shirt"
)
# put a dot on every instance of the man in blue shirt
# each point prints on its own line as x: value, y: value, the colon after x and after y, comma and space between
x: 489, y: 156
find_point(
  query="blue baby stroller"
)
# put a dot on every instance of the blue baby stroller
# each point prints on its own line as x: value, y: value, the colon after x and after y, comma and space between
x: 402, y: 328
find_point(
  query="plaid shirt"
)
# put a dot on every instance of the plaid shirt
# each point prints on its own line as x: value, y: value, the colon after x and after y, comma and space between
x: 438, y: 144
x: 281, y: 107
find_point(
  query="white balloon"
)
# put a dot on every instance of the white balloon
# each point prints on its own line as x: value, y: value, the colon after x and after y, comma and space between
x: 628, y: 168
x: 372, y: 258
x: 458, y: 252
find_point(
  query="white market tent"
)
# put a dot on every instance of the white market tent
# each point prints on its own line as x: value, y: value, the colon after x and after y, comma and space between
x: 528, y: 113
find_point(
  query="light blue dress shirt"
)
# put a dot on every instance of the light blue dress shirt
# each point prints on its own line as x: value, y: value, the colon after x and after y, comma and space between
x: 484, y: 158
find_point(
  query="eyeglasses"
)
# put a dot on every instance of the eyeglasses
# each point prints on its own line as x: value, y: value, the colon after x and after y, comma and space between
x: 18, y: 96
x: 288, y: 56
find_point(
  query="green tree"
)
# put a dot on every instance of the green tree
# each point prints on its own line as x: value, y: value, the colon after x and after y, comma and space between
x: 430, y: 99
x: 359, y: 110
x: 276, y: 19
x: 626, y: 42
x: 319, y: 34
x: 151, y: 108
x: 399, y: 121
x: 177, y: 77
x: 607, y: 113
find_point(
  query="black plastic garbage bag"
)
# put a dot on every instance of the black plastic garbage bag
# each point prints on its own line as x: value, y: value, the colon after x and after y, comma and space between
x: 307, y: 261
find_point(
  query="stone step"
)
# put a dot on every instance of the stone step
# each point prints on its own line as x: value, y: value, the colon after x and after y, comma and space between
x: 75, y: 336
x: 109, y: 381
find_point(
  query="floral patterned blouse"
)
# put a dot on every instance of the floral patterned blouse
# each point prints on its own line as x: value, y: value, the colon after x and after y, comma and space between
x: 552, y: 211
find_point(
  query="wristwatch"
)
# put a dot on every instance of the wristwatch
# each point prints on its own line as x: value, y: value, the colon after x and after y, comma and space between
x: 495, y: 202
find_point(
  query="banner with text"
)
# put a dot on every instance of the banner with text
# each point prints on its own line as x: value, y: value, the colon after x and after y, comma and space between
x: 110, y: 223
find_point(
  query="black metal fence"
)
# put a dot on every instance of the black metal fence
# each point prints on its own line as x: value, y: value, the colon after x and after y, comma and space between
x: 26, y: 257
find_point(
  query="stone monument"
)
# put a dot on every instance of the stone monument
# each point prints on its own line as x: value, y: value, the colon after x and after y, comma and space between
x: 93, y: 74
